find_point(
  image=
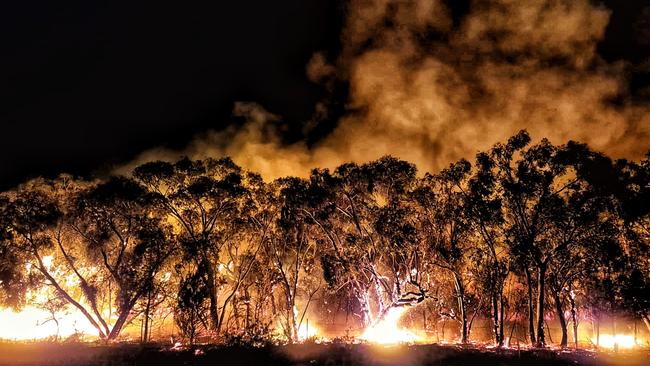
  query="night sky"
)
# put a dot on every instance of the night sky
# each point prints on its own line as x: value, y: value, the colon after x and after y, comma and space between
x: 88, y: 85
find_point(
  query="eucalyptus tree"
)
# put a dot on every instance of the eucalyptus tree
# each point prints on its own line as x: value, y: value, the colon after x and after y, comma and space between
x: 370, y: 239
x: 630, y: 186
x: 208, y: 202
x: 484, y: 210
x: 551, y: 211
x: 292, y: 250
x: 395, y: 257
x: 447, y: 232
x: 471, y: 201
x: 240, y: 256
x: 80, y: 237
x: 114, y: 221
x: 252, y: 276
x: 332, y: 206
x: 13, y: 282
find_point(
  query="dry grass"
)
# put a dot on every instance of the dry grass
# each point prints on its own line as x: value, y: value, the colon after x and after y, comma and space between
x: 50, y: 354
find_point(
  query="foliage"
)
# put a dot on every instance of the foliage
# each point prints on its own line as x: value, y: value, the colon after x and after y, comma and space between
x: 524, y: 230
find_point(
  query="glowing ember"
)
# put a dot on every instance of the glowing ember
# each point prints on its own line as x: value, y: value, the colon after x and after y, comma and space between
x: 34, y: 323
x: 387, y: 330
x: 615, y: 341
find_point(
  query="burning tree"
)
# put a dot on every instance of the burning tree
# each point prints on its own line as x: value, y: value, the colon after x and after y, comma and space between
x: 528, y: 228
x: 370, y: 245
x: 205, y: 200
x: 447, y: 233
x: 95, y: 244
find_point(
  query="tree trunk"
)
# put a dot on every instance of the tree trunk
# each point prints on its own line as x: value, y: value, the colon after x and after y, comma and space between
x: 460, y: 294
x: 102, y: 334
x: 512, y: 330
x: 541, y: 278
x: 364, y: 304
x: 501, y: 317
x: 560, y: 315
x: 212, y: 291
x: 574, y: 318
x: 495, y: 319
x: 292, y: 326
x: 379, y: 291
x: 117, y: 328
x: 646, y: 321
x: 597, y: 333
x: 247, y: 323
x: 145, y: 334
x: 531, y: 316
x: 614, y: 334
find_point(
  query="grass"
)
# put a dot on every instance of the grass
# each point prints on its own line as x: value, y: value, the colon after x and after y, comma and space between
x: 52, y: 354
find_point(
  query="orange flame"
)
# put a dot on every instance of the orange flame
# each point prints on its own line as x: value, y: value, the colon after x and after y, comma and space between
x: 34, y: 323
x: 387, y: 331
x: 622, y: 341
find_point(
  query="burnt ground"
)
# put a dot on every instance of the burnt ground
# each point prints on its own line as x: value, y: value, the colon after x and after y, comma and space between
x: 47, y: 354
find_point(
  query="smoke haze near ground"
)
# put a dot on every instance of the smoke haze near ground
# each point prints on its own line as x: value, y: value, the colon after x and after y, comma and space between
x: 431, y: 89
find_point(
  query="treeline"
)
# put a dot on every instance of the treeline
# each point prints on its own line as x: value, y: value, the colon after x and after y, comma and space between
x: 524, y: 231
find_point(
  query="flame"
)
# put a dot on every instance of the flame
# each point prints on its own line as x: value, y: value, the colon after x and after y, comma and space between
x: 613, y: 341
x: 306, y: 332
x: 34, y: 323
x: 387, y: 331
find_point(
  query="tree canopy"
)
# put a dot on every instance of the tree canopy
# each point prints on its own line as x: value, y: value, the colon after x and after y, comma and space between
x: 525, y: 230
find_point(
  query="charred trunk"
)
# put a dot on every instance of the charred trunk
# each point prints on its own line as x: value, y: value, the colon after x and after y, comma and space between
x: 460, y: 294
x: 292, y: 326
x: 212, y: 291
x: 147, y: 310
x: 495, y: 319
x: 117, y: 327
x: 574, y: 319
x: 560, y: 315
x: 531, y: 316
x: 501, y: 317
x: 541, y: 283
x: 364, y: 305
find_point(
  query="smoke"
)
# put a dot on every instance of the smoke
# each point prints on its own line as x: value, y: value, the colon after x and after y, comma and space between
x: 431, y: 89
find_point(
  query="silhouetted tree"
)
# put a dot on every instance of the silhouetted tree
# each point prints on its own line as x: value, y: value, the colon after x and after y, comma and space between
x: 204, y: 197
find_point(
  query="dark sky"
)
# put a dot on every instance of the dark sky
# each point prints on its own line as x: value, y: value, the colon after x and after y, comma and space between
x: 88, y: 84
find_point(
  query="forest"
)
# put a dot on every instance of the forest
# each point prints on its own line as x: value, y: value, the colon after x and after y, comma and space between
x: 525, y: 234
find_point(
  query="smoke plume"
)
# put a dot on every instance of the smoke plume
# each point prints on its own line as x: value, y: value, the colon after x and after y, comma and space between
x: 429, y: 88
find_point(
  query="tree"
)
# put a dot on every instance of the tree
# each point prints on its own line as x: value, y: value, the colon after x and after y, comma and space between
x: 292, y: 250
x: 371, y: 244
x: 446, y: 230
x: 13, y: 283
x: 551, y: 211
x: 93, y: 233
x: 114, y: 221
x: 207, y: 200
x: 484, y: 210
x: 631, y: 191
x: 559, y: 227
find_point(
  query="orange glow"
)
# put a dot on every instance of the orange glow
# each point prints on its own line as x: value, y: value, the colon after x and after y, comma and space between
x: 623, y: 341
x: 34, y: 323
x: 387, y: 330
x: 305, y: 332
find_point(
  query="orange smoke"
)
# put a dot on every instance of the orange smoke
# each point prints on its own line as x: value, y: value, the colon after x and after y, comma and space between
x: 430, y: 91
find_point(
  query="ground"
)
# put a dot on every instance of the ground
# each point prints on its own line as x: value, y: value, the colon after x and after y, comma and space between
x: 50, y: 354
